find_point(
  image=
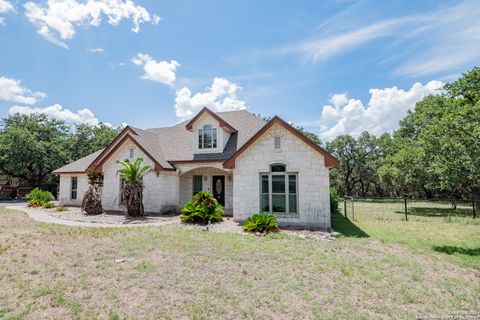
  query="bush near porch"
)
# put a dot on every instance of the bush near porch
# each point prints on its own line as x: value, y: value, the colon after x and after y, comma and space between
x: 203, y: 208
x: 261, y: 222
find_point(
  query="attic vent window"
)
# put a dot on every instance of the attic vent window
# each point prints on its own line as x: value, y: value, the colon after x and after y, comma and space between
x: 277, y: 143
x: 132, y: 153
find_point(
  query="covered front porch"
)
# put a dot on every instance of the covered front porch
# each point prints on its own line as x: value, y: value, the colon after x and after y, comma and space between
x: 209, y: 178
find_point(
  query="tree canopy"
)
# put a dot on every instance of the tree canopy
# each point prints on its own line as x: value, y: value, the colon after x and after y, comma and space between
x: 32, y: 146
x: 434, y: 153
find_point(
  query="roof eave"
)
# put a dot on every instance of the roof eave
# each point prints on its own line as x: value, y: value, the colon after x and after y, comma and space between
x: 57, y: 173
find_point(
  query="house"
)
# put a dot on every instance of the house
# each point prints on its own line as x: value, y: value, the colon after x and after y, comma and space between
x: 248, y: 164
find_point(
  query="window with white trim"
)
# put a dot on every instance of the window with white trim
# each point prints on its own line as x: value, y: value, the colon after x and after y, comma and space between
x: 73, y: 188
x: 279, y: 191
x: 207, y: 137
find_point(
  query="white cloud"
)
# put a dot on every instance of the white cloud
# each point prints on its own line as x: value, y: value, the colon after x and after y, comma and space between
x: 95, y: 50
x: 442, y: 40
x: 161, y: 71
x: 6, y: 6
x: 13, y: 91
x: 221, y: 96
x: 317, y: 50
x: 339, y: 99
x: 56, y: 111
x: 56, y: 20
x: 383, y: 112
x: 449, y: 40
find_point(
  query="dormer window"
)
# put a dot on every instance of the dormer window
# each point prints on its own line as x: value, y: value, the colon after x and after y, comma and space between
x: 207, y: 137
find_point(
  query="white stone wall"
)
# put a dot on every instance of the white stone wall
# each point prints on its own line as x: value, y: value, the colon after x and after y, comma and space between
x: 160, y: 192
x: 313, y: 178
x: 206, y: 171
x: 65, y: 189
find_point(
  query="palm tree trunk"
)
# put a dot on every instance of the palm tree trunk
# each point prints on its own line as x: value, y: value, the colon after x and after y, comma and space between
x: 133, y: 195
x: 92, y: 200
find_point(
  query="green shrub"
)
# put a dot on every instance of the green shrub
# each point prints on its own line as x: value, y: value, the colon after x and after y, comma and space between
x: 48, y: 205
x: 62, y: 209
x: 40, y: 195
x: 333, y: 200
x: 35, y: 203
x: 261, y: 222
x: 202, y: 209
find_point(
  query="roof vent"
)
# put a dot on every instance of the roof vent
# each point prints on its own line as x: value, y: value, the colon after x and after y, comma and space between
x: 277, y: 142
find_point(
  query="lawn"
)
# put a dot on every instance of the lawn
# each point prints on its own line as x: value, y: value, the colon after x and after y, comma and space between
x: 377, y: 269
x: 431, y: 227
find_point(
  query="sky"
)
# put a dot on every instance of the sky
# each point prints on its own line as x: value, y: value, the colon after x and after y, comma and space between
x: 333, y: 67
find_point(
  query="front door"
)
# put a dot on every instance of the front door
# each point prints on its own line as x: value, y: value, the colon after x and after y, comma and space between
x: 218, y: 187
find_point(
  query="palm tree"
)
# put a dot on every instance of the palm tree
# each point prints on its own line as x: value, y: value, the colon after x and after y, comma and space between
x: 131, y: 175
x: 92, y: 200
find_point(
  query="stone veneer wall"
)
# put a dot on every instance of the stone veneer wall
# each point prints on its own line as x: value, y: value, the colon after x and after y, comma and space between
x: 65, y: 189
x: 313, y: 178
x: 160, y: 192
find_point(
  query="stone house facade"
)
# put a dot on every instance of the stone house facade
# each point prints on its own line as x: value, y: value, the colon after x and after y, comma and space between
x: 249, y: 165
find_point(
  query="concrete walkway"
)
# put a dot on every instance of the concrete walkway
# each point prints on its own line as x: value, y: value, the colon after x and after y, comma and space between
x: 42, y: 216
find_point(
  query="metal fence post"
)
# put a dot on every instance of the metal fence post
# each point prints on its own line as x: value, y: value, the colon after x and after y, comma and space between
x: 406, y: 211
x: 345, y: 207
x: 473, y: 206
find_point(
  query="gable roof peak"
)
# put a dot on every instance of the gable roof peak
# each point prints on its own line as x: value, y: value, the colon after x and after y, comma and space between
x: 205, y: 109
x: 330, y: 160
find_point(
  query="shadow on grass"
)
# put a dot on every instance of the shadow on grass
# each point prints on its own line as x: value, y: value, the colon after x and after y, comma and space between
x: 460, y: 250
x: 346, y: 227
x: 439, y: 212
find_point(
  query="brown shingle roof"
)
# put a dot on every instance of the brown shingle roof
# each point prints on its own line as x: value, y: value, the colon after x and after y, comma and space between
x: 171, y: 144
x: 176, y: 142
x: 80, y: 165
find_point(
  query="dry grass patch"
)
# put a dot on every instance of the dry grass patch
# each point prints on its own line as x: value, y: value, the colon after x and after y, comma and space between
x: 51, y: 271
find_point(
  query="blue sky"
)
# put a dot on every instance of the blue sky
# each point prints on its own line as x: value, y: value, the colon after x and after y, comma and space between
x: 332, y: 66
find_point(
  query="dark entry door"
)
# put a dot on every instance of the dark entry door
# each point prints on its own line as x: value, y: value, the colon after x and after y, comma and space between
x: 218, y: 187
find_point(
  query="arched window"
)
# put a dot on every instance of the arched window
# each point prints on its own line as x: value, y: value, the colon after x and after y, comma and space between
x: 207, y: 137
x: 279, y: 191
x: 277, y: 168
